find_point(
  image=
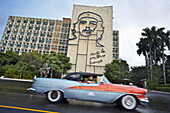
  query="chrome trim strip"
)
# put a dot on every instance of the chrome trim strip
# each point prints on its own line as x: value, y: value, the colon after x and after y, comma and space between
x: 31, y: 89
x: 144, y: 100
x: 134, y: 93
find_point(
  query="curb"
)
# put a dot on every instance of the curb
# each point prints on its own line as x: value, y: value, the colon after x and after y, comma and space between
x: 13, y: 79
x: 159, y: 92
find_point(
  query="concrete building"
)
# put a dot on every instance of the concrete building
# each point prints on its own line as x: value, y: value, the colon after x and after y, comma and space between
x: 24, y: 34
x: 90, y: 39
x: 115, y: 44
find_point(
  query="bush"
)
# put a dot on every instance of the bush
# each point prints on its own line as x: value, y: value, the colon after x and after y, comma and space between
x: 11, y: 73
x: 164, y: 85
x: 27, y: 75
x: 165, y: 89
x: 152, y: 84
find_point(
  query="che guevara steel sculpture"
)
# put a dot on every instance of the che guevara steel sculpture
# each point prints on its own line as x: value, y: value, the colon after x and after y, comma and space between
x: 89, y: 27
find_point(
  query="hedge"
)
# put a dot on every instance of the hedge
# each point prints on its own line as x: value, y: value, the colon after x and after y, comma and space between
x: 164, y: 85
x: 164, y: 89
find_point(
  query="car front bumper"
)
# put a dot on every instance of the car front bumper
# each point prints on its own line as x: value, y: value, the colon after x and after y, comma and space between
x: 144, y: 101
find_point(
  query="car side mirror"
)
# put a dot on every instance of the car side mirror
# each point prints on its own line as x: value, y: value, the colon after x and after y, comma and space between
x: 101, y: 82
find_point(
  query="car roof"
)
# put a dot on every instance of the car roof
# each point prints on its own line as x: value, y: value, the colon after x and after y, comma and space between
x: 83, y: 73
x: 80, y: 74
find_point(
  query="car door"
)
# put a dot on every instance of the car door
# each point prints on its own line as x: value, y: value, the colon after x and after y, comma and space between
x: 93, y: 92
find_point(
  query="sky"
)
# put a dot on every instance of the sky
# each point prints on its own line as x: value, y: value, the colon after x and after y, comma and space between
x: 130, y: 17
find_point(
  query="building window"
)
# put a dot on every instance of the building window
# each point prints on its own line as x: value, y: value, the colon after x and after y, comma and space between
x: 25, y: 46
x: 66, y: 25
x: 41, y: 40
x: 37, y: 28
x: 40, y: 46
x: 6, y: 38
x: 29, y: 33
x: 35, y: 34
x: 25, y: 21
x: 4, y: 44
x: 115, y: 50
x: 13, y: 38
x: 115, y: 44
x: 11, y: 44
x: 115, y: 56
x: 18, y: 21
x: 115, y: 39
x: 63, y: 36
x: 27, y: 39
x: 22, y: 32
x: 34, y: 40
x: 33, y: 46
x: 50, y: 29
x: 17, y: 26
x: 10, y: 26
x: 38, y: 22
x: 23, y: 27
x: 52, y: 23
x: 47, y: 47
x: 42, y: 34
x: 30, y: 27
x: 18, y: 45
x: 45, y: 23
x: 20, y: 39
x: 31, y: 22
x: 49, y: 35
x: 44, y: 28
x: 48, y: 41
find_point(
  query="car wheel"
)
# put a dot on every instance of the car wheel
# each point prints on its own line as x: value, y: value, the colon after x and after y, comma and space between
x: 54, y: 96
x: 128, y: 102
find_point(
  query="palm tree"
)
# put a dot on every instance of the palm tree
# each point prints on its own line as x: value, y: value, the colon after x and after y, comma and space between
x: 164, y: 43
x: 148, y: 34
x: 143, y: 49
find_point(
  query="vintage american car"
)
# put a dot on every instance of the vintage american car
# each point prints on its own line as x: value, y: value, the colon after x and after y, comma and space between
x: 75, y: 86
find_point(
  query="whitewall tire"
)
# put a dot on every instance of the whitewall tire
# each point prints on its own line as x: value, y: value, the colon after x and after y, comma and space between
x: 54, y: 96
x: 128, y: 102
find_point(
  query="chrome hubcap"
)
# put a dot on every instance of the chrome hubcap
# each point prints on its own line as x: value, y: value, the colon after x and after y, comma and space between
x: 128, y: 101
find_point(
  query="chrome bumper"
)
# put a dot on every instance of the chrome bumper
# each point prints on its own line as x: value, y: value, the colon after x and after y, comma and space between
x: 31, y: 89
x: 144, y: 101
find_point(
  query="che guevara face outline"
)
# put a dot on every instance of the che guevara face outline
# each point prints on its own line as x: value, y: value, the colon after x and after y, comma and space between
x: 91, y: 22
x: 87, y: 26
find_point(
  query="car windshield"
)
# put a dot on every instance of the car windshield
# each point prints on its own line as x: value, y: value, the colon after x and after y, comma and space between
x: 102, y: 79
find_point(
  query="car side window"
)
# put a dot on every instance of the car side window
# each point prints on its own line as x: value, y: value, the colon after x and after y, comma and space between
x: 90, y: 79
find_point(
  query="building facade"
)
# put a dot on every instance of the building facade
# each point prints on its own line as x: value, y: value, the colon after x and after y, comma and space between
x: 24, y: 34
x: 115, y: 44
x: 90, y: 39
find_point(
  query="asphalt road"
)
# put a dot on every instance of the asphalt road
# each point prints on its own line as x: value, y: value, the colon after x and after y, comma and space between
x: 14, y: 98
x: 29, y: 103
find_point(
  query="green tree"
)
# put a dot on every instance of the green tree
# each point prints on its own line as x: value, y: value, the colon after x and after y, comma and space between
x: 9, y: 58
x: 117, y: 70
x: 59, y: 63
x: 167, y: 64
x: 164, y: 43
x: 11, y: 71
x: 143, y: 49
x: 6, y: 59
x: 152, y: 46
x: 30, y: 62
x: 137, y: 74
